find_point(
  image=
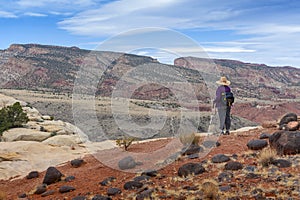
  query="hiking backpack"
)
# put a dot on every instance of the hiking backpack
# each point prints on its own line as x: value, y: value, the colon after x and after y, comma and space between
x: 227, y: 98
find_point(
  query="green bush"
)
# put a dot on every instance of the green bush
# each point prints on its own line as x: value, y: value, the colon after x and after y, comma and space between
x: 11, y: 117
x: 125, y: 142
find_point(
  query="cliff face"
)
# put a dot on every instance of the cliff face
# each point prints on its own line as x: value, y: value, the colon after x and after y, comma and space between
x: 252, y: 80
x: 55, y: 68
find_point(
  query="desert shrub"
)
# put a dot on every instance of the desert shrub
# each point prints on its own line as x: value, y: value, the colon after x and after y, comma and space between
x: 125, y: 142
x: 210, y: 189
x: 267, y: 156
x: 188, y: 139
x: 11, y: 117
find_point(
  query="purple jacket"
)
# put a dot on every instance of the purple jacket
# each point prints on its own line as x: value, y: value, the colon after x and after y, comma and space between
x: 220, y: 90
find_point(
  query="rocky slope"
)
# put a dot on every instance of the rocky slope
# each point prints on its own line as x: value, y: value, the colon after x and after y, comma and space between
x: 234, y: 168
x: 250, y: 80
x: 54, y: 68
x: 39, y: 143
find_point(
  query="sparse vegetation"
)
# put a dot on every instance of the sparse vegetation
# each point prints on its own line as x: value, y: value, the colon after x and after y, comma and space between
x: 187, y: 139
x: 11, y: 117
x: 125, y: 142
x: 267, y: 156
x: 210, y: 189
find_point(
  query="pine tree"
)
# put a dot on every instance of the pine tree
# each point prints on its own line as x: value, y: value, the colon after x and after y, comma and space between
x: 11, y: 117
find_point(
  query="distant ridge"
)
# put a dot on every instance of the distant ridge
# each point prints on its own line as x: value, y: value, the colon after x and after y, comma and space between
x: 54, y: 68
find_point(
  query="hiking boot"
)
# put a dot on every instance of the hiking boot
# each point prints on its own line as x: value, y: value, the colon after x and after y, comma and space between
x: 227, y: 133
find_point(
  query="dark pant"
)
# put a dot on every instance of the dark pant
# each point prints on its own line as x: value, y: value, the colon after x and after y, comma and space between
x: 224, y: 116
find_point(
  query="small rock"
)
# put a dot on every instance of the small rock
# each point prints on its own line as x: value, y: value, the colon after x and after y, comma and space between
x: 146, y: 194
x: 233, y: 165
x: 250, y: 168
x: 225, y: 176
x: 253, y: 176
x: 40, y: 189
x: 152, y: 173
x: 77, y: 162
x: 69, y: 178
x: 131, y: 185
x: 79, y: 198
x: 193, y: 156
x: 127, y: 163
x: 107, y: 181
x: 224, y: 188
x: 113, y: 191
x: 141, y: 178
x: 33, y: 174
x: 23, y: 195
x: 66, y: 188
x: 52, y: 176
x: 100, y: 197
x: 210, y: 144
x: 190, y: 168
x: 219, y: 158
x: 192, y: 149
x: 257, y: 144
x: 281, y: 163
x: 48, y: 193
x: 264, y: 136
x: 235, y: 156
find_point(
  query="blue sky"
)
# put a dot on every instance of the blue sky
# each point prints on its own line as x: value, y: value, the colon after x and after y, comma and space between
x: 251, y: 31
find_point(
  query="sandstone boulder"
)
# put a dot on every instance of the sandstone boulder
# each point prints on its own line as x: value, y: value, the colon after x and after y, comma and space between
x: 8, y: 101
x: 286, y: 142
x: 24, y: 134
x: 63, y: 140
x: 33, y: 114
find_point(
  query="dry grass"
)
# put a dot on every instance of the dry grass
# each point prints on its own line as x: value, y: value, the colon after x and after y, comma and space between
x: 210, y: 189
x: 191, y: 138
x: 2, y: 195
x: 267, y: 156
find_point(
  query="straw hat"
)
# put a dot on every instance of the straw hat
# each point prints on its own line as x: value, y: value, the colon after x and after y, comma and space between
x: 223, y: 81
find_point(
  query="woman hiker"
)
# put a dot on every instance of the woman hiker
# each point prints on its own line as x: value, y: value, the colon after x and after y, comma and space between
x: 222, y: 105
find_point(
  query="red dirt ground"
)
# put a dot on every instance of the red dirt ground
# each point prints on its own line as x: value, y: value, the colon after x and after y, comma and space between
x: 92, y: 172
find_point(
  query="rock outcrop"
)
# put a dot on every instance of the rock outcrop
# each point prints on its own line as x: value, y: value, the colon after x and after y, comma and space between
x: 286, y: 142
x: 287, y: 139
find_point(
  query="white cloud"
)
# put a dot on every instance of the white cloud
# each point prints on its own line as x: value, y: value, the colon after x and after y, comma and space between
x: 54, y: 3
x: 4, y: 14
x: 32, y: 14
x: 228, y: 50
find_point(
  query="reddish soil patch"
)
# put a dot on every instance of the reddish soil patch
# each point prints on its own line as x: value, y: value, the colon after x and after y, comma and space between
x: 88, y: 176
x: 265, y: 112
